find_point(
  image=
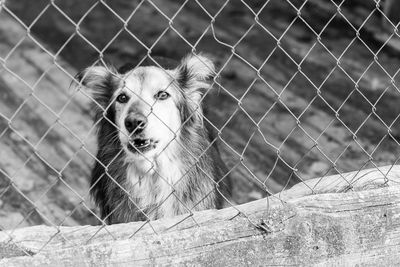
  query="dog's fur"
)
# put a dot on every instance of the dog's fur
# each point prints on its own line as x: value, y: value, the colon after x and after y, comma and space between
x: 179, y: 170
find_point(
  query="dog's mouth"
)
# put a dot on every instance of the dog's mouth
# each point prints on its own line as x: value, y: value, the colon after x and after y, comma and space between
x: 136, y: 145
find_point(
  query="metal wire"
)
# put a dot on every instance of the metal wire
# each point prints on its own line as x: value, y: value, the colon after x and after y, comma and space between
x: 279, y: 126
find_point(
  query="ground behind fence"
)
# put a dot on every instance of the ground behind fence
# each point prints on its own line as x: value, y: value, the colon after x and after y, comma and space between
x: 304, y: 89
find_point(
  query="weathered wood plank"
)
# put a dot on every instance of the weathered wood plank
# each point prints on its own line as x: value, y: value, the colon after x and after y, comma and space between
x: 359, y: 226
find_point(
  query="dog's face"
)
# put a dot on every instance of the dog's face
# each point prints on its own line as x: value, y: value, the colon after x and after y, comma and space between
x: 146, y: 111
x: 150, y: 105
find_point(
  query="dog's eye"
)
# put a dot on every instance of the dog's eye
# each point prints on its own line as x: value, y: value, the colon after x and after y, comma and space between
x: 122, y: 98
x: 161, y: 95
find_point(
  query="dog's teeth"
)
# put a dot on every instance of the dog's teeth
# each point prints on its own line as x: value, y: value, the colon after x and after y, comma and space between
x: 140, y: 144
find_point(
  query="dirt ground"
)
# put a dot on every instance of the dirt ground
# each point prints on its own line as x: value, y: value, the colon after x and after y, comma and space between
x: 304, y: 90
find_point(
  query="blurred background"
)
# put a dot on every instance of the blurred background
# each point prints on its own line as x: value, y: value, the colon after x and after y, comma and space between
x: 305, y: 89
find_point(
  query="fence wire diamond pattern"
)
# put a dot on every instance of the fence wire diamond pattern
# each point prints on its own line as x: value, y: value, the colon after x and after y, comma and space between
x: 302, y: 89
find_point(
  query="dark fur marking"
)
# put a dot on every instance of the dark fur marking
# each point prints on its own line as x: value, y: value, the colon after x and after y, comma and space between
x: 164, y: 62
x: 126, y: 67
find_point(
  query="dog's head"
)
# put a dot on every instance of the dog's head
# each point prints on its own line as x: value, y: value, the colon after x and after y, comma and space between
x: 150, y: 105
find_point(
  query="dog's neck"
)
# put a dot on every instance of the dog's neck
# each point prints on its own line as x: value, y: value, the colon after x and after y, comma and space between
x: 180, y: 174
x: 158, y: 182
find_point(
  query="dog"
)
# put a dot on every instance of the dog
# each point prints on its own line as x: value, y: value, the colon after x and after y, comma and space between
x: 157, y: 157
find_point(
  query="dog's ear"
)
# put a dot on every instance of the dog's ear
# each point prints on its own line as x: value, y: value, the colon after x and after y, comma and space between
x: 100, y: 83
x: 193, y: 78
x: 194, y: 71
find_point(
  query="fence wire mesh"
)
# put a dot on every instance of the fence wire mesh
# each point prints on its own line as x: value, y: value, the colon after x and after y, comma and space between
x: 302, y: 89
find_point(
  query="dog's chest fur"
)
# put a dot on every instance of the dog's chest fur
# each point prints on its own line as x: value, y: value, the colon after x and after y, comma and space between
x: 174, y: 183
x: 156, y: 188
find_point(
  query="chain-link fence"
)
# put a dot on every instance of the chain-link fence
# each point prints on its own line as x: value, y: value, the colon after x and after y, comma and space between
x: 301, y: 89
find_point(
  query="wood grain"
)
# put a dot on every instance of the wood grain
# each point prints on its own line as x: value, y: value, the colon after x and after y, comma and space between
x: 358, y: 226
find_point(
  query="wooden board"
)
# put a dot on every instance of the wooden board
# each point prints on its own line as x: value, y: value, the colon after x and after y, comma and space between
x: 333, y: 228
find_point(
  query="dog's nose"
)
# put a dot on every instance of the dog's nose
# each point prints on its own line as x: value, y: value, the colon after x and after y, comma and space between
x: 135, y: 123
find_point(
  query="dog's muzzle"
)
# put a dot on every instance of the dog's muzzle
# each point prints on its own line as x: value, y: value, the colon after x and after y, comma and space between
x: 135, y: 123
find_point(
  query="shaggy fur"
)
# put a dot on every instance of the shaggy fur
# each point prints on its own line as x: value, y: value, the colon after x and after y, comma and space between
x: 180, y: 170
